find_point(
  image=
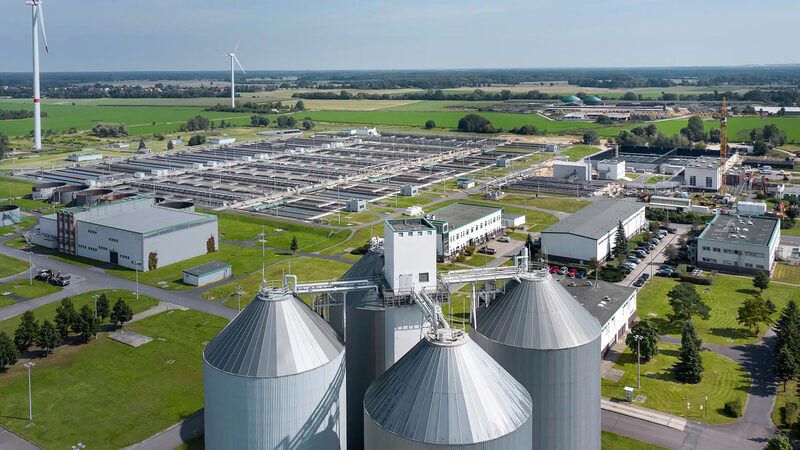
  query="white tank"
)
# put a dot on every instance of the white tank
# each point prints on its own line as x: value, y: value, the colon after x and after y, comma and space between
x: 275, y: 378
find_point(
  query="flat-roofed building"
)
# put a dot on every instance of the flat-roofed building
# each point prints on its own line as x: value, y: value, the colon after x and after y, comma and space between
x: 209, y: 272
x: 704, y: 174
x: 740, y: 244
x: 591, y: 232
x: 670, y: 203
x: 462, y: 224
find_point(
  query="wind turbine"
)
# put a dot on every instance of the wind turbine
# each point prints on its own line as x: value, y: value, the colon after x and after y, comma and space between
x: 233, y: 57
x: 38, y: 22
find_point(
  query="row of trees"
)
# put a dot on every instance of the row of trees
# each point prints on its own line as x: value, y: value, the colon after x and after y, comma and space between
x: 5, y: 147
x: 10, y: 114
x: 105, y: 130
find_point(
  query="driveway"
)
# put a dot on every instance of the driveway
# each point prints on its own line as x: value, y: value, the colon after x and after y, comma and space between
x: 655, y: 258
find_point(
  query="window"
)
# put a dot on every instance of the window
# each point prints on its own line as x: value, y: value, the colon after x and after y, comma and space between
x: 423, y: 277
x: 748, y: 265
x: 706, y: 248
x: 419, y: 233
x: 716, y: 249
x: 430, y: 232
x: 759, y: 266
x: 709, y: 182
x: 692, y: 180
x: 401, y: 234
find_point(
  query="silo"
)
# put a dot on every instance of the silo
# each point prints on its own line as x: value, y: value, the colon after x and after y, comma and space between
x: 446, y: 392
x: 274, y: 377
x: 91, y: 197
x: 551, y: 344
x: 66, y: 194
x: 43, y: 191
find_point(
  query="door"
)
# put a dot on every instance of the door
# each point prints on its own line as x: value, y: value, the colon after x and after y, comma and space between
x: 113, y: 257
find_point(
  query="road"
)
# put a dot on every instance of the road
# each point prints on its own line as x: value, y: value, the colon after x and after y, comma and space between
x: 655, y: 258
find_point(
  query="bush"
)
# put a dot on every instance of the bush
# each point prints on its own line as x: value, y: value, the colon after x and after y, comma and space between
x: 197, y: 139
x: 734, y: 408
x: 791, y: 412
x: 474, y: 123
x: 469, y: 250
x: 612, y: 274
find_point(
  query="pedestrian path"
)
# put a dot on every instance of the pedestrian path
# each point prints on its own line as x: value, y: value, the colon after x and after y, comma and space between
x: 642, y: 413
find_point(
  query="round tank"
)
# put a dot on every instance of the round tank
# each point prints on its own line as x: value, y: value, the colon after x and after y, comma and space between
x: 66, y: 194
x: 183, y: 206
x: 447, y: 392
x: 549, y: 342
x: 45, y: 190
x: 9, y: 215
x: 91, y: 197
x: 274, y: 377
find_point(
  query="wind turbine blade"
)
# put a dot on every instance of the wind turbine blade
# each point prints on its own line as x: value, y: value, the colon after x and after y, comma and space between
x: 40, y: 12
x: 239, y: 64
x: 236, y: 47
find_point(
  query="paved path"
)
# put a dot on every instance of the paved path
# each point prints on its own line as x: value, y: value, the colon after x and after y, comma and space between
x: 175, y: 435
x: 10, y: 441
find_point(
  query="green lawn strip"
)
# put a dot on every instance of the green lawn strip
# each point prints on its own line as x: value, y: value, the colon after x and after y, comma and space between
x: 655, y: 179
x: 25, y: 289
x: 787, y: 273
x: 351, y: 256
x: 336, y: 238
x: 790, y: 394
x: 240, y: 227
x: 27, y: 204
x: 351, y: 219
x: 11, y: 266
x: 6, y: 302
x: 379, y: 209
x: 48, y: 311
x: 126, y: 394
x: 551, y: 203
x: 244, y: 260
x: 405, y: 202
x: 18, y: 188
x: 479, y: 260
x: 611, y: 441
x: 580, y: 151
x: 23, y: 224
x: 725, y: 297
x: 358, y: 238
x: 18, y: 242
x: 794, y: 231
x: 723, y: 380
x: 81, y: 261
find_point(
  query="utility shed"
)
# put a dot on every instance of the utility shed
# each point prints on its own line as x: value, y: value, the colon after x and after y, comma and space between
x: 207, y: 273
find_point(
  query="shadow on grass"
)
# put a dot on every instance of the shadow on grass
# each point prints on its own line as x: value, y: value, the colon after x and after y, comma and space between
x: 747, y: 291
x: 665, y: 326
x: 731, y: 333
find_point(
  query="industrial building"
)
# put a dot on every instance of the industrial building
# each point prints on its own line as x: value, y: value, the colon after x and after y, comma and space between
x: 611, y: 169
x: 463, y: 224
x: 740, y: 244
x: 133, y: 232
x: 541, y: 335
x: 274, y: 377
x: 572, y: 170
x: 81, y: 157
x: 704, y: 174
x: 447, y: 392
x: 513, y: 220
x: 209, y: 272
x: 591, y: 232
x: 751, y: 208
x: 678, y: 204
x: 221, y: 140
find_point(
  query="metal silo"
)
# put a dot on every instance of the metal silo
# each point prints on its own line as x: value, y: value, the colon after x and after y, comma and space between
x: 541, y: 335
x: 447, y: 392
x: 274, y: 377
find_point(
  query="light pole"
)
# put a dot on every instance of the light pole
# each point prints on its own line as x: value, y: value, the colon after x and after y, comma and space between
x: 263, y: 238
x: 239, y: 295
x: 136, y: 266
x: 95, y: 297
x: 30, y: 268
x: 28, y: 365
x: 638, y: 358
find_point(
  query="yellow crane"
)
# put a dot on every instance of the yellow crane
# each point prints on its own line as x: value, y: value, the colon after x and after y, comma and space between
x: 723, y: 136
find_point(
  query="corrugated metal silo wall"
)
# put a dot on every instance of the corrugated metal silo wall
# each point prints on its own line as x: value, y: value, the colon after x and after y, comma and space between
x: 565, y: 389
x: 8, y: 218
x: 378, y: 438
x: 365, y: 363
x: 306, y: 410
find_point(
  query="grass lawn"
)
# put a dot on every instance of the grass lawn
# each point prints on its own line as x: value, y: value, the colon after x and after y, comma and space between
x: 785, y: 396
x: 6, y: 302
x: 787, y: 273
x: 725, y: 298
x: 10, y: 266
x: 358, y: 238
x: 306, y: 269
x: 579, y: 151
x: 478, y: 260
x: 655, y: 179
x: 723, y: 380
x: 794, y: 231
x: 379, y: 209
x: 107, y: 394
x: 18, y: 188
x: 353, y: 218
x: 551, y: 203
x: 24, y: 223
x: 405, y: 202
x: 245, y: 260
x: 24, y: 289
x: 18, y: 242
x: 27, y: 204
x: 611, y: 441
x: 49, y: 311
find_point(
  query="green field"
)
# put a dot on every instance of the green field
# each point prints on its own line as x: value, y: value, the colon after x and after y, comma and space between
x: 400, y: 201
x: 783, y: 397
x: 655, y: 179
x: 723, y: 380
x: 579, y: 151
x: 11, y: 266
x: 25, y: 289
x: 787, y: 273
x: 725, y: 298
x: 17, y: 188
x: 737, y: 127
x: 611, y: 441
x: 107, y: 394
x: 358, y: 238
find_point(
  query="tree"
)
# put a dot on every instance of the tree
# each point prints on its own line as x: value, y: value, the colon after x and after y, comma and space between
x: 649, y: 343
x: 771, y: 307
x: 761, y: 281
x: 294, y: 245
x: 65, y: 317
x: 211, y: 245
x: 89, y: 324
x: 754, y: 311
x: 694, y: 130
x: 25, y: 334
x: 257, y: 120
x: 8, y: 352
x: 590, y: 137
x: 142, y: 145
x: 786, y: 365
x: 308, y: 123
x: 686, y: 302
x: 198, y: 123
x: 689, y: 368
x: 4, y: 146
x: 621, y: 242
x: 778, y: 443
x: 594, y: 265
x: 286, y: 121
x: 671, y: 252
x: 430, y: 124
x: 47, y: 339
x: 197, y: 139
x: 121, y: 313
x: 299, y: 106
x: 152, y: 261
x: 103, y: 306
x: 529, y: 244
x: 760, y: 148
x: 170, y: 145
x: 473, y: 123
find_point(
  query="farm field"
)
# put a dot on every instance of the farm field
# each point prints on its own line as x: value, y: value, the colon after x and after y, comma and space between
x: 737, y: 127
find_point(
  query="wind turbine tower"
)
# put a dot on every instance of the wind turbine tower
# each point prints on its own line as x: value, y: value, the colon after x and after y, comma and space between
x: 38, y: 22
x: 233, y: 57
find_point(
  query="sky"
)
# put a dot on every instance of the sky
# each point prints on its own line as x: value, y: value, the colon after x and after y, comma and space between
x: 117, y: 35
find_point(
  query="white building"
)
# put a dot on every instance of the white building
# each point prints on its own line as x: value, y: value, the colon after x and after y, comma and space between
x: 739, y: 244
x: 513, y: 220
x: 132, y: 233
x: 80, y: 157
x: 591, y: 232
x: 703, y: 173
x: 611, y: 169
x: 118, y: 145
x: 175, y: 142
x: 361, y: 131
x: 221, y: 140
x: 751, y: 208
x: 670, y: 203
x: 568, y: 169
x: 462, y: 224
x: 409, y: 252
x: 207, y: 273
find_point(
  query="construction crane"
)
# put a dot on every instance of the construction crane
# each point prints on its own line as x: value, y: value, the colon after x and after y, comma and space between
x: 723, y: 136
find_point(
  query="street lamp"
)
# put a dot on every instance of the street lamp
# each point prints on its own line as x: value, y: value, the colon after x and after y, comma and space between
x: 30, y: 268
x: 95, y: 297
x: 28, y: 365
x: 136, y: 266
x: 239, y: 295
x: 638, y: 358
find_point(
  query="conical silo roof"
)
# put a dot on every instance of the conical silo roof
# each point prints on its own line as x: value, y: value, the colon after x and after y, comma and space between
x: 275, y: 335
x: 447, y: 390
x: 537, y: 312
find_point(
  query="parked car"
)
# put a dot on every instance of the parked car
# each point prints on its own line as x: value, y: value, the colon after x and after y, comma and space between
x: 572, y: 272
x: 487, y: 250
x: 644, y: 249
x: 627, y: 267
x: 666, y: 266
x: 562, y: 270
x: 553, y: 269
x: 634, y: 260
x: 646, y: 276
x: 662, y: 233
x: 639, y: 253
x: 581, y: 274
x: 655, y: 241
x: 503, y: 239
x: 664, y: 273
x: 638, y: 283
x: 44, y: 275
x: 673, y: 230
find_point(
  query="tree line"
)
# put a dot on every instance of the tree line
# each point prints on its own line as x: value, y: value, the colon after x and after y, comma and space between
x: 9, y: 114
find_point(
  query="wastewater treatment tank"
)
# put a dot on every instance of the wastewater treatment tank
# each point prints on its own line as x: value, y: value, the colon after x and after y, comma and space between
x: 9, y: 215
x: 274, y: 377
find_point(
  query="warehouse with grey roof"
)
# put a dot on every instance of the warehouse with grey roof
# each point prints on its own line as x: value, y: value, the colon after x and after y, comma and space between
x: 739, y: 244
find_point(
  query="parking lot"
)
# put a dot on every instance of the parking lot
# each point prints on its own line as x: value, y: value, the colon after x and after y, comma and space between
x: 655, y: 258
